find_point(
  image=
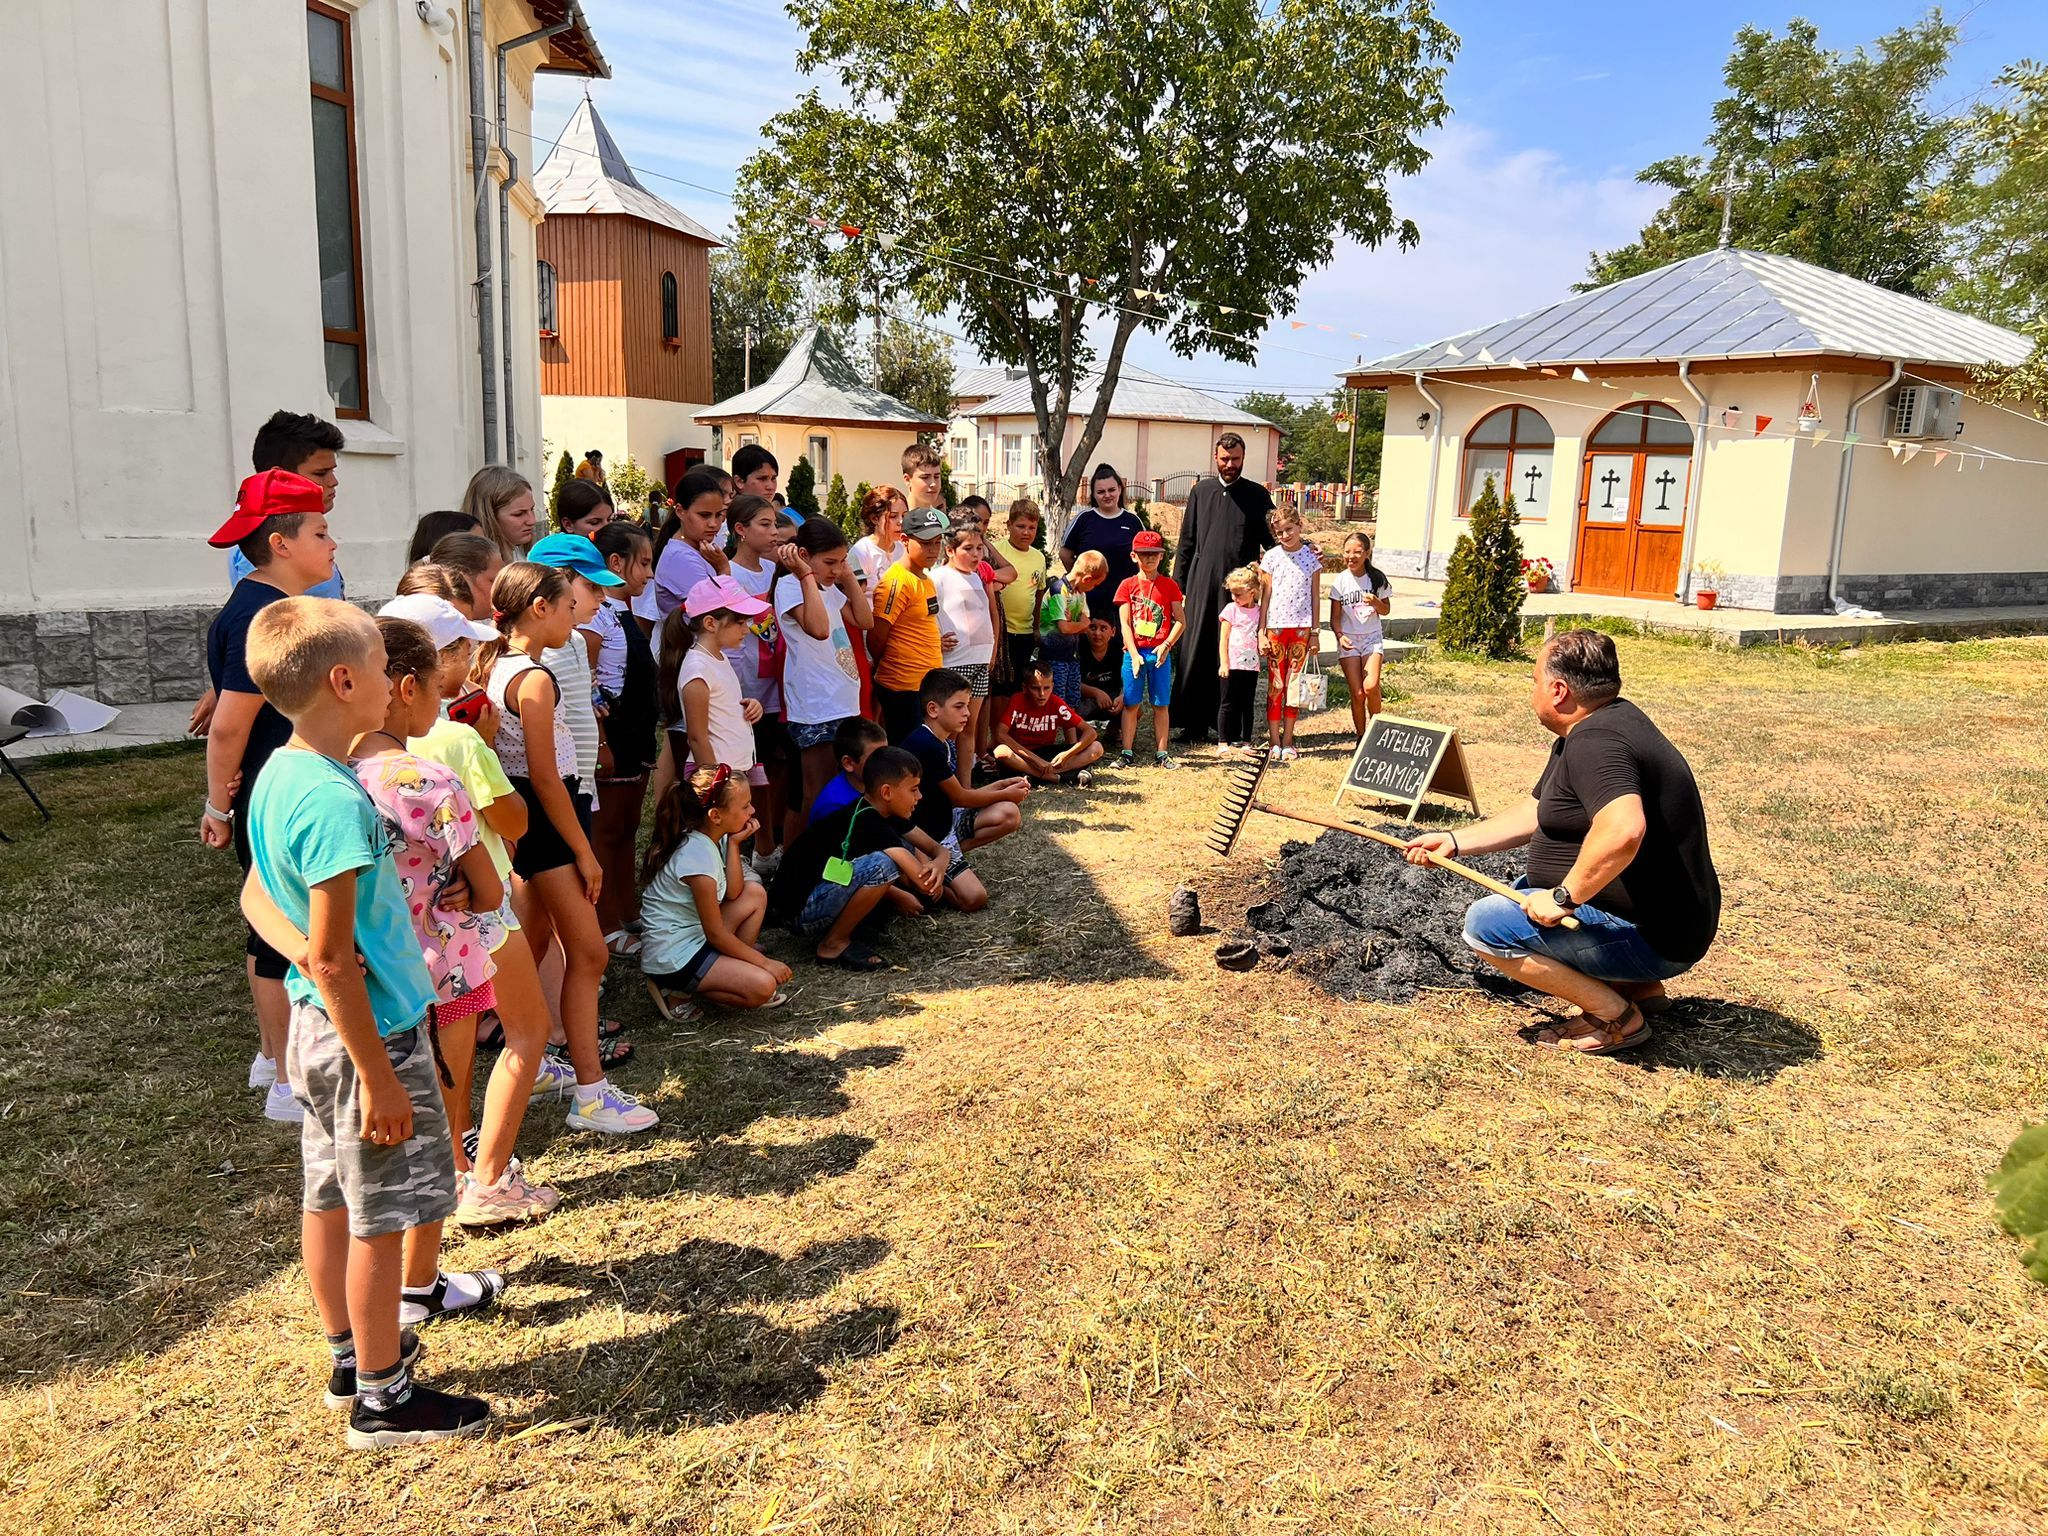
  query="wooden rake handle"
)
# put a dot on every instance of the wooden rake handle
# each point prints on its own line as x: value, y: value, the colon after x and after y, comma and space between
x: 1465, y: 871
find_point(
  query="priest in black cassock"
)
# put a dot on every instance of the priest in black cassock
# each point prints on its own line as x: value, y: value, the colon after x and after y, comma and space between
x: 1225, y: 527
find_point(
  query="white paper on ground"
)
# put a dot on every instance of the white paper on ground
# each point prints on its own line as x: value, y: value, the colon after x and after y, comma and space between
x: 1844, y: 609
x: 66, y: 713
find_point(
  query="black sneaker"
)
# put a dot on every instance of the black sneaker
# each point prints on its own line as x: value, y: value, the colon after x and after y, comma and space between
x: 341, y: 1382
x: 422, y: 1415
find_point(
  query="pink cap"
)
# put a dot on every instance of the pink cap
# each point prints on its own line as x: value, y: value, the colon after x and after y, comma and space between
x: 715, y: 592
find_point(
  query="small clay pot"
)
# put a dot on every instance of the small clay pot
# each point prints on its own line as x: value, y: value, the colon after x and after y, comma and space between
x: 1237, y: 954
x: 1183, y: 913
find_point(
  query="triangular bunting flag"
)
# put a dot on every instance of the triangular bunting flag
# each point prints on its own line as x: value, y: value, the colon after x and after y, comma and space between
x: 1580, y: 376
x: 1761, y: 423
x: 1637, y: 394
x: 851, y: 231
x: 1484, y: 356
x: 1896, y: 447
x: 1322, y: 327
x: 888, y: 240
x: 1226, y: 309
x: 1358, y: 335
x: 1731, y: 419
x: 1912, y: 452
x: 1516, y: 362
x: 1851, y: 437
x: 1940, y: 454
x: 1297, y: 324
x: 816, y: 223
x: 1818, y: 435
x: 1605, y: 385
x: 1548, y: 373
x: 1451, y: 349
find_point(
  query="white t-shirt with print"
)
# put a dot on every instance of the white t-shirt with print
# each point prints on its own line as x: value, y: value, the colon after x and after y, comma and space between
x: 1356, y: 615
x: 963, y: 610
x: 820, y: 678
x: 1244, y: 636
x: 1290, y: 604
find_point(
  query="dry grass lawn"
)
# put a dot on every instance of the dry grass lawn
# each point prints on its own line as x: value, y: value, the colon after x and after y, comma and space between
x: 1060, y: 1228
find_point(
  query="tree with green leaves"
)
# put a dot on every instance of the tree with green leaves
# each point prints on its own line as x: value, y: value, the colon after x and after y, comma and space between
x: 1838, y: 159
x: 915, y: 364
x: 1061, y: 174
x: 742, y: 299
x: 565, y: 471
x: 630, y: 484
x: 1484, y: 588
x: 837, y: 507
x: 1315, y: 449
x: 1998, y: 267
x: 802, y: 490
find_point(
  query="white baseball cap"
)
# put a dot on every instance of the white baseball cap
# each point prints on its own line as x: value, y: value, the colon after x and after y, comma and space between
x: 442, y: 620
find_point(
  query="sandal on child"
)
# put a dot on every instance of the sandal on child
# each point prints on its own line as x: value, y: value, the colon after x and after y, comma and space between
x: 622, y: 944
x: 610, y: 1029
x: 490, y: 1031
x: 679, y: 1011
x: 855, y: 957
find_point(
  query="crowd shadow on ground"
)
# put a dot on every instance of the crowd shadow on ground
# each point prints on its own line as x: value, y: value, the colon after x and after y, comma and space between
x: 713, y: 1358
x: 1709, y: 1036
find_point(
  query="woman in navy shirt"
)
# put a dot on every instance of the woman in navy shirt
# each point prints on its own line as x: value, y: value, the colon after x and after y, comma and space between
x: 1107, y: 526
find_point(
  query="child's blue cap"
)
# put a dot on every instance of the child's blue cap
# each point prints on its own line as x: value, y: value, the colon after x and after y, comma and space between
x: 573, y: 552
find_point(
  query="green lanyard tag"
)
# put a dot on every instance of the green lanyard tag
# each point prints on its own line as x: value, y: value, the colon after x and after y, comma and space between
x: 839, y: 868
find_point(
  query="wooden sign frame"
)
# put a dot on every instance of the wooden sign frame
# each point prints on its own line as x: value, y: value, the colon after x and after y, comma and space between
x: 1448, y: 774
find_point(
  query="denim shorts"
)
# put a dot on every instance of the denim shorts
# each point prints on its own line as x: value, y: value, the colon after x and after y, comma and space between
x: 1603, y: 946
x: 1153, y: 686
x: 804, y: 737
x: 826, y: 901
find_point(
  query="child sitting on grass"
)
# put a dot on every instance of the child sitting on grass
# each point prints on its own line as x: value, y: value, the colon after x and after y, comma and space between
x: 852, y: 744
x: 702, y: 914
x: 957, y: 817
x: 861, y: 862
x: 1030, y: 736
x: 374, y: 1140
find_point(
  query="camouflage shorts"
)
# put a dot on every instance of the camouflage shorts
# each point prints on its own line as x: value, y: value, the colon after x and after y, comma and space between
x: 386, y: 1189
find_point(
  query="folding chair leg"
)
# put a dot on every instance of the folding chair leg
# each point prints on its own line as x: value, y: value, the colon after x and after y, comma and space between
x: 26, y: 788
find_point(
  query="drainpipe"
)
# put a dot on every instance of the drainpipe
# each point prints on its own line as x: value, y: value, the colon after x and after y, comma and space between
x: 1842, y: 485
x: 1699, y: 472
x: 479, y: 155
x: 1436, y: 450
x: 505, y: 218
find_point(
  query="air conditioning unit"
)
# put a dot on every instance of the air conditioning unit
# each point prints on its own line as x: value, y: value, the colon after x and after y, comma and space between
x: 1922, y: 411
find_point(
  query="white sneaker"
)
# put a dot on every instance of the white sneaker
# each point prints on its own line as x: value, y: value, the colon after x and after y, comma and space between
x: 262, y: 1071
x: 278, y: 1104
x: 611, y: 1110
x: 766, y: 864
x: 555, y: 1076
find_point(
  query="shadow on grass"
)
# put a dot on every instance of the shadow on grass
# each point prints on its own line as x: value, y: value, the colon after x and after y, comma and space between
x: 1721, y: 1039
x: 714, y: 1359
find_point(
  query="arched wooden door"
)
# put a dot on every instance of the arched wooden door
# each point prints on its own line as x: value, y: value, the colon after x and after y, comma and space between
x: 1632, y: 501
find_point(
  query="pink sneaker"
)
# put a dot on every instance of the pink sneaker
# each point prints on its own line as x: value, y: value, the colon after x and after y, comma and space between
x: 510, y: 1199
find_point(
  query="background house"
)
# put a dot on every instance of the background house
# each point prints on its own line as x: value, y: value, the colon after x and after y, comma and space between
x: 214, y: 212
x: 816, y: 406
x: 1653, y: 424
x: 625, y: 309
x: 1161, y: 436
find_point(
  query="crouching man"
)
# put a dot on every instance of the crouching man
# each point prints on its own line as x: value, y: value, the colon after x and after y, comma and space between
x: 1617, y: 838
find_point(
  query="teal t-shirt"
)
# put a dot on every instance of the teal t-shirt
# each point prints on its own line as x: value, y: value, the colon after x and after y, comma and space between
x: 308, y: 821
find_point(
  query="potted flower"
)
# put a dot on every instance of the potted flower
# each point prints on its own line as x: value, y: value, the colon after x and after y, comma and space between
x: 1539, y: 573
x: 1706, y: 578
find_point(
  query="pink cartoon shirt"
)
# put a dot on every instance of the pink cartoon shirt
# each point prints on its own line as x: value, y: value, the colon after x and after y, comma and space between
x: 424, y: 805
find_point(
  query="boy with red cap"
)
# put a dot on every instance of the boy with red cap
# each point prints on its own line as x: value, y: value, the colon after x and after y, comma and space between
x: 280, y: 526
x: 1152, y: 610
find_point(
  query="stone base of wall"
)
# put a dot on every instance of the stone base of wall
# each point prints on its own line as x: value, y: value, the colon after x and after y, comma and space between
x: 125, y: 656
x: 1408, y: 562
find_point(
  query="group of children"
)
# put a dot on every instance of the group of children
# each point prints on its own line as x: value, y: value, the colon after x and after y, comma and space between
x: 440, y: 808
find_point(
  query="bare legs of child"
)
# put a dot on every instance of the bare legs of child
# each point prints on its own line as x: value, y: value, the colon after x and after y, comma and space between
x: 557, y: 906
x: 738, y: 983
x: 614, y: 828
x: 1048, y: 769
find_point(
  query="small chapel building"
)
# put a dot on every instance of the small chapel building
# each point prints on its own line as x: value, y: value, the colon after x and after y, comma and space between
x: 1793, y: 437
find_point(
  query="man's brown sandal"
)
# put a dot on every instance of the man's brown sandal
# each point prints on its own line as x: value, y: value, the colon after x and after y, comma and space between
x: 1599, y: 1037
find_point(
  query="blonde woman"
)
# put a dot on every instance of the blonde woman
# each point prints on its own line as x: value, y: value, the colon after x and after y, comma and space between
x: 501, y: 501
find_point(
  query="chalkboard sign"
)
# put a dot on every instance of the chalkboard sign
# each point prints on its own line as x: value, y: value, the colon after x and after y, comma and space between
x: 1403, y: 760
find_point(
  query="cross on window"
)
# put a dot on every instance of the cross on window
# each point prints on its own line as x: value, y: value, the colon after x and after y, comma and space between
x: 1664, y: 483
x: 1611, y: 479
x: 1532, y: 474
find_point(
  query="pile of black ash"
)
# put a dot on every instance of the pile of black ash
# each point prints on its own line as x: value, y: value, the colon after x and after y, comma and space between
x: 1365, y: 924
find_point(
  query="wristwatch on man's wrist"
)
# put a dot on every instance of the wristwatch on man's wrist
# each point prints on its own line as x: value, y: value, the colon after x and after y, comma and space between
x: 1562, y: 895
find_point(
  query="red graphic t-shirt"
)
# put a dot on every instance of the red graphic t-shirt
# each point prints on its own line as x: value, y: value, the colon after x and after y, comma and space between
x: 1035, y: 727
x: 1151, y: 603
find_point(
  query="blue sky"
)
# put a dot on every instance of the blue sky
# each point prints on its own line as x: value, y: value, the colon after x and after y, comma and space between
x: 1554, y: 110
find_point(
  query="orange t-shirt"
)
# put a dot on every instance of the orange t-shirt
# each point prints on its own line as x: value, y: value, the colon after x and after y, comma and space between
x: 910, y: 604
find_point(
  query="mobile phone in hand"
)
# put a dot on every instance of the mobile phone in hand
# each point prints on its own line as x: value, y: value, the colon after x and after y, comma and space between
x: 470, y: 707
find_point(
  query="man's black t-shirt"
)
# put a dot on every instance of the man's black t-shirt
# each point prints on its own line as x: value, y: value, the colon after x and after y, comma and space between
x: 934, y: 814
x: 227, y: 664
x: 1669, y: 890
x: 803, y: 864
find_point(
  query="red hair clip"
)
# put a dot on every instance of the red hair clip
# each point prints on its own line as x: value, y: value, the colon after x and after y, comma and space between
x: 718, y: 777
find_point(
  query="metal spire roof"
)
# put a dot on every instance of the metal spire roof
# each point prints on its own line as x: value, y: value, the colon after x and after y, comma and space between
x: 1139, y: 395
x: 1724, y: 303
x: 815, y: 382
x: 587, y: 173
